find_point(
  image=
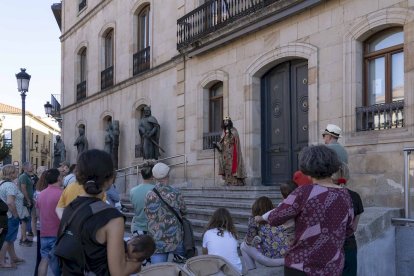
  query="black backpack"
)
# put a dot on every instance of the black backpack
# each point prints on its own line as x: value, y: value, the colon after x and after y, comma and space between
x: 69, y: 246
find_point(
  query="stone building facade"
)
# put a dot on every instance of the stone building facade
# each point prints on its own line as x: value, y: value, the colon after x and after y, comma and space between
x: 40, y: 137
x: 281, y: 70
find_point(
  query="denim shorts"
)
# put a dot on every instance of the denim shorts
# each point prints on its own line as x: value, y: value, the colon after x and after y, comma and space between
x: 13, y: 228
x: 46, y: 245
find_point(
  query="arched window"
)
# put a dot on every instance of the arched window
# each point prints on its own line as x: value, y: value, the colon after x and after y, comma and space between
x: 107, y: 75
x: 141, y: 59
x: 383, y: 98
x: 82, y: 71
x: 384, y: 67
x: 215, y: 115
x: 215, y: 110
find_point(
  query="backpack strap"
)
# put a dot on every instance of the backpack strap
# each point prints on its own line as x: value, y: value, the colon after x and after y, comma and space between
x: 169, y: 206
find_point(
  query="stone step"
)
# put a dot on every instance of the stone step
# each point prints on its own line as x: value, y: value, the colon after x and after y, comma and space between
x: 229, y: 204
x: 231, y: 195
x: 205, y: 214
x: 199, y: 226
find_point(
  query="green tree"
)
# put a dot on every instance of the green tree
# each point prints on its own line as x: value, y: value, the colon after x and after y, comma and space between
x: 5, y: 147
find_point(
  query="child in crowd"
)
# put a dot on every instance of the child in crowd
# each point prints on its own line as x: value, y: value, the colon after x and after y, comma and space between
x: 220, y: 238
x: 265, y: 244
x: 139, y: 248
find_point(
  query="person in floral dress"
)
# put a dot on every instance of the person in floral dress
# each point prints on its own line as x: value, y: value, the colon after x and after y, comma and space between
x: 264, y: 243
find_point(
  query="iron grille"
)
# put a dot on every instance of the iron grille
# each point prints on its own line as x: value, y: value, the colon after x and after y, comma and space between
x: 209, y: 138
x: 141, y: 61
x: 81, y: 91
x: 380, y: 116
x: 107, y: 78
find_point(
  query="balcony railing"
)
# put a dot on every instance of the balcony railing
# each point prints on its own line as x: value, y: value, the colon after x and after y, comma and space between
x: 82, y: 4
x: 81, y: 91
x: 141, y: 61
x: 216, y: 14
x: 380, y: 116
x: 107, y: 78
x: 209, y: 138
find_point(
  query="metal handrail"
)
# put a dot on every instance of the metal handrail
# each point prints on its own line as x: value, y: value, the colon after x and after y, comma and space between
x: 159, y: 160
x: 407, y: 211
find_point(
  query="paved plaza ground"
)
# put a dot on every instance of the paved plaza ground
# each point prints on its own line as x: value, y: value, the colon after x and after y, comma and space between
x: 27, y: 268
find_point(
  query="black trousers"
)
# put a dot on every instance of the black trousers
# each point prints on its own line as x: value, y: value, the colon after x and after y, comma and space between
x: 293, y: 272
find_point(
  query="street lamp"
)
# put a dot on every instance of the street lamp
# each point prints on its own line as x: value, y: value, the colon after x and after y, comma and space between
x: 50, y: 113
x: 23, y: 80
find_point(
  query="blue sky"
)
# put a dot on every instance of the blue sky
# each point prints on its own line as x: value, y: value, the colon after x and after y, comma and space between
x: 29, y: 38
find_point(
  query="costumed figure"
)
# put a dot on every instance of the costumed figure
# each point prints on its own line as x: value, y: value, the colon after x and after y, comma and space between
x: 59, y: 152
x: 81, y: 142
x: 231, y: 165
x: 149, y: 130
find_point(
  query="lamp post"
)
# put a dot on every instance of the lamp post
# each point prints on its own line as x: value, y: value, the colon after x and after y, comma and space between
x: 23, y: 80
x: 50, y: 113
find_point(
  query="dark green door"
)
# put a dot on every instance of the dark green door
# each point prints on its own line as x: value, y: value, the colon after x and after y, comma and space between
x: 284, y: 124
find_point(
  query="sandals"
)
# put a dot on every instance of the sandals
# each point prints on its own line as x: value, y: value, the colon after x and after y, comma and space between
x: 18, y: 261
x: 7, y: 266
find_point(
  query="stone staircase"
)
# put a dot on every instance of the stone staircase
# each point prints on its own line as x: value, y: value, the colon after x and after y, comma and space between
x: 203, y: 201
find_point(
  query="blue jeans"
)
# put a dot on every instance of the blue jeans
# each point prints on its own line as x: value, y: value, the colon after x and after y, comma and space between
x: 163, y: 257
x: 13, y: 228
x: 47, y: 245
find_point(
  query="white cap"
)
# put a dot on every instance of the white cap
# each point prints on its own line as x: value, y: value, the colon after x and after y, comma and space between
x: 332, y: 130
x: 160, y: 171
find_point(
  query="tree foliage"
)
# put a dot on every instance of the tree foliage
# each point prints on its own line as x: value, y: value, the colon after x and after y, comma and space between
x: 5, y: 147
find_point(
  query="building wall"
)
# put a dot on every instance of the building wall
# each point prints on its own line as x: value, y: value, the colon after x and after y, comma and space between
x: 44, y: 132
x: 329, y: 36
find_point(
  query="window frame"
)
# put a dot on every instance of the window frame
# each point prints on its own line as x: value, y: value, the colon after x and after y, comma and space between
x: 387, y: 54
x: 83, y: 64
x: 109, y: 49
x: 211, y: 101
x: 143, y: 37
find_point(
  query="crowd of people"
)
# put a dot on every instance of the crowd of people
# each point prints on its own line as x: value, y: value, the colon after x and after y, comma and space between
x: 75, y: 214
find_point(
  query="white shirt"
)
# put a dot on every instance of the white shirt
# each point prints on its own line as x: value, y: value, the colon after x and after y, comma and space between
x: 225, y: 246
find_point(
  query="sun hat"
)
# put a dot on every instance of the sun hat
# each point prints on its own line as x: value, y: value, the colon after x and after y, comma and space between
x: 332, y: 130
x: 160, y: 171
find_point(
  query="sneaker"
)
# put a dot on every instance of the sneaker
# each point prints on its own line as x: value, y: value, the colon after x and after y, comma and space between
x: 30, y: 234
x: 179, y: 259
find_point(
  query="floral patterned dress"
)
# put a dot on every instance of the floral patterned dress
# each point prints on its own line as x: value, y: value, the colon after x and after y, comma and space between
x: 163, y: 225
x: 272, y: 241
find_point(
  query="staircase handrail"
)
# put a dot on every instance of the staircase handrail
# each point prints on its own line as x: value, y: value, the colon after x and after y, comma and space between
x: 156, y: 161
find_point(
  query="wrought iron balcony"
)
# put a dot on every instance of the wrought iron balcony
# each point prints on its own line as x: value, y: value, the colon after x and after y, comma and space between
x: 81, y: 91
x: 380, y: 116
x: 107, y: 78
x: 141, y: 61
x: 209, y: 138
x: 215, y: 15
x: 82, y: 4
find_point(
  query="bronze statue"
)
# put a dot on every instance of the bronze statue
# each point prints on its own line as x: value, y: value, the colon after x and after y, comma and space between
x: 81, y: 142
x: 115, y: 143
x: 59, y: 153
x: 149, y: 130
x: 109, y: 138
